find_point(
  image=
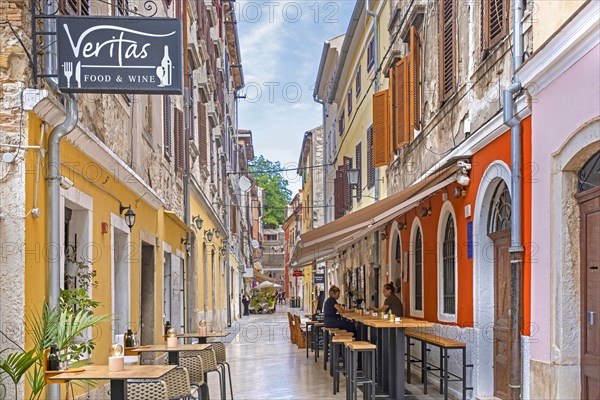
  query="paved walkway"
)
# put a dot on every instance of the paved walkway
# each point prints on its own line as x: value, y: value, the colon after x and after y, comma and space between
x: 266, y: 365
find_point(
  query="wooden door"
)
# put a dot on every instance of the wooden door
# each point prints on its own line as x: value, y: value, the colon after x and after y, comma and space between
x: 589, y: 205
x: 501, y: 241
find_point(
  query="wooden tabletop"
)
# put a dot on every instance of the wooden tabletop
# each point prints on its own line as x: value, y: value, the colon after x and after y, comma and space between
x: 404, y: 323
x: 192, y: 335
x: 100, y: 372
x: 179, y: 347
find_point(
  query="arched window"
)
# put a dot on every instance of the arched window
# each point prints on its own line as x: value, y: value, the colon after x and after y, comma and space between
x: 449, y: 263
x: 589, y: 174
x: 499, y: 218
x: 418, y: 292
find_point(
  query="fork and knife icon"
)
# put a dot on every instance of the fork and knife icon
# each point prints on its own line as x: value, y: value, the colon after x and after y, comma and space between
x: 68, y: 73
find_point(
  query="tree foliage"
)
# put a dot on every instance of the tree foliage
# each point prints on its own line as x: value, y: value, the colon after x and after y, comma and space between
x: 276, y: 193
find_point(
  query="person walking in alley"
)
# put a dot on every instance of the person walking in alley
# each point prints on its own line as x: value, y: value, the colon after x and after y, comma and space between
x: 392, y: 302
x: 332, y: 312
x: 246, y: 303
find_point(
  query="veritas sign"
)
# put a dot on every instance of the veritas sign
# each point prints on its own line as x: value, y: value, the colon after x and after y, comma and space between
x: 120, y: 55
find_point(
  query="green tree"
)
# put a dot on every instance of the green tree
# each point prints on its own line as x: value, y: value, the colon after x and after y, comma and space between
x: 276, y: 193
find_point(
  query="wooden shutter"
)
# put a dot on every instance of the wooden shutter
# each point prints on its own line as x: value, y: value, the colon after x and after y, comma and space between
x: 381, y: 140
x: 447, y: 48
x: 414, y: 74
x: 400, y: 103
x: 359, y: 168
x: 370, y: 167
x: 494, y: 21
x: 348, y: 200
x: 179, y: 141
x: 202, y: 137
x: 167, y: 128
x: 341, y: 191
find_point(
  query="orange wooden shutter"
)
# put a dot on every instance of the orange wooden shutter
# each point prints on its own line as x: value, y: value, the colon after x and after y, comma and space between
x: 401, y: 103
x: 415, y: 82
x: 381, y: 123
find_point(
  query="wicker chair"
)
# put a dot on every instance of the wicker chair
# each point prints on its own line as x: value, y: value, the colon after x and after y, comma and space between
x: 209, y: 361
x: 195, y: 368
x: 146, y: 390
x: 221, y: 354
x: 178, y: 383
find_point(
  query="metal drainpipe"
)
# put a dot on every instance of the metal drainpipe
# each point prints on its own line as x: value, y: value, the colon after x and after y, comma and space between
x: 376, y: 250
x: 324, y: 118
x: 516, y: 249
x: 53, y: 206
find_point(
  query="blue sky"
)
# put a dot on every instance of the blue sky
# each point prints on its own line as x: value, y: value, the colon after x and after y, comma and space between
x: 281, y: 44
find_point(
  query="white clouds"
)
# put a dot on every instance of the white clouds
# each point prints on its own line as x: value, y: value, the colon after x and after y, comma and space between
x: 281, y: 43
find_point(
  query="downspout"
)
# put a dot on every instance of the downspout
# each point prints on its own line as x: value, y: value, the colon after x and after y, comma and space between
x: 376, y: 244
x: 53, y: 204
x: 325, y: 168
x: 516, y: 249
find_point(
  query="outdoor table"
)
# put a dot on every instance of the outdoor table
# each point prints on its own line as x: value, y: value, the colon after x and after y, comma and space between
x: 391, y: 346
x: 117, y: 379
x: 202, y: 338
x: 173, y: 351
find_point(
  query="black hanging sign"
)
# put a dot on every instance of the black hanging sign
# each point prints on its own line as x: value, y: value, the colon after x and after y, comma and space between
x: 120, y: 55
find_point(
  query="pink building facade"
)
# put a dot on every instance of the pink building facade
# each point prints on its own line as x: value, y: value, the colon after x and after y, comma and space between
x: 563, y: 80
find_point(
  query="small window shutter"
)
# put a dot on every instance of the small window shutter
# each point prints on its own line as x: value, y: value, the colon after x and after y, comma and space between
x: 167, y: 128
x: 202, y: 137
x: 494, y: 22
x: 400, y: 103
x: 447, y: 44
x: 179, y: 141
x: 370, y: 167
x: 415, y: 82
x: 381, y: 138
x: 348, y: 200
x: 359, y: 167
x: 341, y: 191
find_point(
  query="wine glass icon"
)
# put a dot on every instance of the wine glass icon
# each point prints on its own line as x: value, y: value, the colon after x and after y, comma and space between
x: 161, y: 74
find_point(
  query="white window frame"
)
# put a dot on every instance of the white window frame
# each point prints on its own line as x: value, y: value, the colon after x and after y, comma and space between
x: 413, y: 230
x: 447, y: 209
x: 117, y: 222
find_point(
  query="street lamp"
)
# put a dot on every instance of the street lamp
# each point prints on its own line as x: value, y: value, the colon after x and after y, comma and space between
x: 129, y: 215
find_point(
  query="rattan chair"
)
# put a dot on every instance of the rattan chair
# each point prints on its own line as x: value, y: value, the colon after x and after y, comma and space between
x: 178, y: 383
x: 146, y: 390
x: 221, y: 354
x: 195, y: 368
x: 209, y: 362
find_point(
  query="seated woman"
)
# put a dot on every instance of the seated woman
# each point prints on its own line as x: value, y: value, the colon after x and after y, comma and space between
x: 332, y: 311
x: 392, y: 302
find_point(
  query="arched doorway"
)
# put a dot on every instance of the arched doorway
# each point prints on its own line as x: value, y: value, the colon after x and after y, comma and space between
x: 588, y: 197
x: 499, y: 233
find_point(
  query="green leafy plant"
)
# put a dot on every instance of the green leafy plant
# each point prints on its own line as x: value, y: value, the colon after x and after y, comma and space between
x: 16, y: 364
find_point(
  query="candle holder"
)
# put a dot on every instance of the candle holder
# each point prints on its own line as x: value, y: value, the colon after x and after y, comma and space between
x: 172, y: 338
x: 116, y: 360
x: 202, y: 330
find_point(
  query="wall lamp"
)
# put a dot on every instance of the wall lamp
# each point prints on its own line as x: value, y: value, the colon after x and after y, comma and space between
x: 223, y: 251
x: 217, y: 233
x: 382, y: 236
x: 187, y: 243
x: 129, y: 215
x: 402, y: 225
x: 198, y: 222
x: 426, y: 211
x: 353, y: 178
x: 208, y: 234
x: 462, y: 176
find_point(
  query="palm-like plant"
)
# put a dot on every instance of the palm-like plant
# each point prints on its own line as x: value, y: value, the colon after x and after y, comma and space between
x: 16, y: 364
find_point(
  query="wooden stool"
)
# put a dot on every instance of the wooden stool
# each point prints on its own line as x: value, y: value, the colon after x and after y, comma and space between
x: 367, y: 379
x: 327, y: 332
x: 337, y: 344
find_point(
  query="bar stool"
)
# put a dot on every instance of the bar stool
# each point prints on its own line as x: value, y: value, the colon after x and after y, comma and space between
x: 326, y: 335
x: 367, y: 379
x: 316, y: 333
x: 340, y: 333
x: 337, y: 346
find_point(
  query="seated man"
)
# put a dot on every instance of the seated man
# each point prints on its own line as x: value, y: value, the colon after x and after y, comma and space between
x: 332, y: 311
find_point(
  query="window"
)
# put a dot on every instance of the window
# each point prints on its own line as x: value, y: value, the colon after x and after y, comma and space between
x: 74, y: 7
x: 167, y: 128
x: 418, y: 296
x: 416, y: 269
x: 358, y: 82
x: 589, y: 174
x: 447, y: 264
x: 447, y: 48
x: 370, y: 167
x: 359, y: 167
x: 370, y: 54
x: 349, y: 97
x: 381, y: 145
x: 495, y: 20
x: 120, y: 8
x: 179, y: 141
x: 342, y: 124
